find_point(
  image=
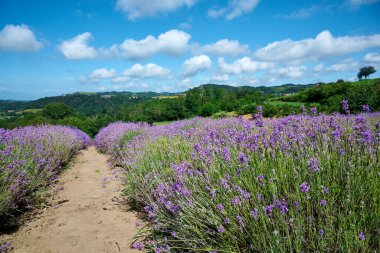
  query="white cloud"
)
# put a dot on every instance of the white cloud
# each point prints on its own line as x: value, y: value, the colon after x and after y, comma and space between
x: 196, y: 64
x: 186, y: 83
x: 97, y: 75
x: 220, y: 78
x: 77, y: 47
x: 102, y: 73
x: 18, y: 38
x: 121, y: 79
x: 138, y: 8
x: 173, y: 42
x: 235, y: 8
x: 292, y: 72
x: 225, y: 47
x: 146, y: 71
x: 346, y: 65
x: 243, y: 65
x: 131, y: 85
x: 322, y: 46
x: 372, y: 57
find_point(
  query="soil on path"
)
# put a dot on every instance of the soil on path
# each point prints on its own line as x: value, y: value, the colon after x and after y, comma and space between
x: 86, y: 215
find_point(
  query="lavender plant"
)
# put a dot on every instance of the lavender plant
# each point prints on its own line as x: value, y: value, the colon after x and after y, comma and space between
x: 30, y: 159
x: 302, y: 183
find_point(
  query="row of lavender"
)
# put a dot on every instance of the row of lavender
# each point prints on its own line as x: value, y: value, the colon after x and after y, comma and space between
x: 30, y: 159
x: 301, y: 183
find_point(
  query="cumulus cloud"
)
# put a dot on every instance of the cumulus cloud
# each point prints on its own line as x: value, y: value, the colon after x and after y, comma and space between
x: 78, y: 48
x: 146, y: 71
x: 196, y: 64
x: 224, y: 47
x: 346, y: 65
x: 121, y: 79
x: 18, y: 38
x: 173, y: 42
x: 186, y: 83
x: 372, y: 57
x: 102, y: 73
x: 220, y: 78
x: 137, y: 8
x: 322, y: 46
x: 234, y: 9
x: 139, y: 71
x: 97, y: 75
x: 292, y: 72
x: 243, y: 65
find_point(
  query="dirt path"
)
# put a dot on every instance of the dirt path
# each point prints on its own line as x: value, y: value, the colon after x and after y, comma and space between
x: 86, y: 215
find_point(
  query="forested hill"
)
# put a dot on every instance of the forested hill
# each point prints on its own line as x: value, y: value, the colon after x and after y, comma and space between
x: 85, y: 102
x: 90, y: 111
x: 101, y: 102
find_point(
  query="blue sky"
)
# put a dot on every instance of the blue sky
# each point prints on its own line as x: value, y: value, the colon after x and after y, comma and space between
x: 57, y: 47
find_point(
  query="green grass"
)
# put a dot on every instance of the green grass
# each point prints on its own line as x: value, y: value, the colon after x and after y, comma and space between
x: 162, y: 123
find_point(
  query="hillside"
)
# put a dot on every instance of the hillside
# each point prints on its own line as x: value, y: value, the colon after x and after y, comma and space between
x: 91, y: 111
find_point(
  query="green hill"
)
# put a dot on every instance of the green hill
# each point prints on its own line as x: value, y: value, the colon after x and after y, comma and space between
x: 90, y: 111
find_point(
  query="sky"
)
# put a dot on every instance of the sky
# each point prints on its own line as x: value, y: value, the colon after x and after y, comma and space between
x: 58, y: 47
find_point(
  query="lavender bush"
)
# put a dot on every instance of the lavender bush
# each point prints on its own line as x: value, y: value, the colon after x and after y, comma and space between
x: 108, y: 137
x: 30, y: 158
x: 302, y: 183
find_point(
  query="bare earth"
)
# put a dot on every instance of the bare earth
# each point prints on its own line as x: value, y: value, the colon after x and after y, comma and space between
x: 86, y: 215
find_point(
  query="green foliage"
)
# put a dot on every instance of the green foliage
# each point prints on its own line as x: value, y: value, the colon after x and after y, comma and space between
x: 57, y: 111
x: 91, y: 111
x: 366, y: 71
x: 329, y: 96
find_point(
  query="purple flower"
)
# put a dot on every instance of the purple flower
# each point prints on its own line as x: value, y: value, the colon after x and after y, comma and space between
x: 242, y: 158
x: 260, y: 178
x: 235, y: 200
x: 226, y: 220
x: 323, y: 202
x: 313, y: 111
x: 220, y: 207
x: 296, y: 204
x: 304, y: 187
x: 224, y: 183
x: 325, y: 190
x: 254, y: 213
x: 138, y: 245
x: 321, y: 232
x: 282, y: 206
x: 345, y: 106
x: 268, y: 209
x: 361, y: 236
x: 366, y: 108
x: 226, y: 154
x: 174, y: 233
x: 240, y: 219
x: 313, y: 164
x: 220, y: 229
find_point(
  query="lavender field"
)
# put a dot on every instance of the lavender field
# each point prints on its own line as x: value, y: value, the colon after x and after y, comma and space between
x: 30, y: 160
x: 302, y: 183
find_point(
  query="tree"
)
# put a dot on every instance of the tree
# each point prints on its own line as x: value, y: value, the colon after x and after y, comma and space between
x: 366, y: 71
x: 57, y: 111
